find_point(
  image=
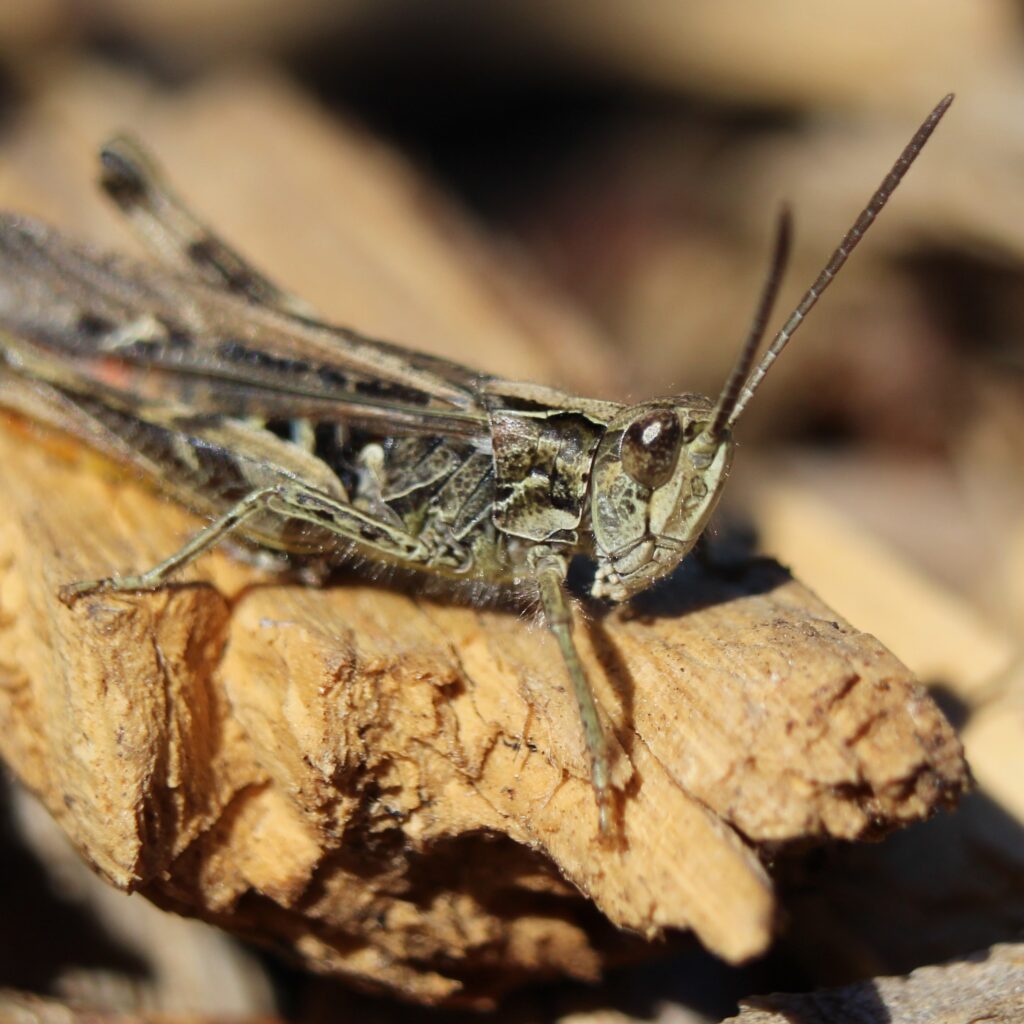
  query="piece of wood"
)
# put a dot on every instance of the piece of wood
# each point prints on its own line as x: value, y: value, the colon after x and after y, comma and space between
x: 28, y: 1008
x: 96, y: 946
x: 988, y: 987
x: 938, y: 633
x: 776, y: 53
x: 389, y: 787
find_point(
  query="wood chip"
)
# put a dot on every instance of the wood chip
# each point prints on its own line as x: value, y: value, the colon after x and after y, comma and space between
x: 988, y: 987
x: 28, y: 1008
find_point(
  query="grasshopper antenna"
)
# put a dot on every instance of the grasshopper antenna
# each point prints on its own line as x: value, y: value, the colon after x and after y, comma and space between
x: 839, y: 257
x: 769, y: 293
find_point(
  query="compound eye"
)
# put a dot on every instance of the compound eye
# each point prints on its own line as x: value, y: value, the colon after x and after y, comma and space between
x: 650, y: 447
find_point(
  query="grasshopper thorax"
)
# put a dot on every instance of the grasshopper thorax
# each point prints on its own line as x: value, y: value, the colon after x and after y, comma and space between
x: 657, y: 476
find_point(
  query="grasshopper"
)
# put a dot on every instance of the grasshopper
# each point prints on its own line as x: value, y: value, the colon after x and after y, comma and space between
x: 315, y: 442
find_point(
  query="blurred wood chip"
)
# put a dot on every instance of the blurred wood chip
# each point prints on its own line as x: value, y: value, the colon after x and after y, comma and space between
x: 778, y: 52
x: 27, y: 1008
x: 939, y: 634
x: 988, y: 987
x: 383, y: 786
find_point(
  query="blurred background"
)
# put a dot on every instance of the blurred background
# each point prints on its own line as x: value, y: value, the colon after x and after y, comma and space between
x: 619, y: 167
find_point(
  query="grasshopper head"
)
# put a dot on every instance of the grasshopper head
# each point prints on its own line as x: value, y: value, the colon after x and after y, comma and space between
x: 660, y: 467
x: 657, y: 476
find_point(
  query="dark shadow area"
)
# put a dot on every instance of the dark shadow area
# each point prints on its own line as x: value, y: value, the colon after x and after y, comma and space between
x: 940, y: 890
x: 951, y: 704
x: 694, y: 586
x: 407, y: 81
x: 621, y: 678
x: 865, y: 1005
x: 500, y: 876
x: 44, y: 932
x: 974, y: 296
x: 487, y: 109
x: 685, y: 976
x: 9, y: 96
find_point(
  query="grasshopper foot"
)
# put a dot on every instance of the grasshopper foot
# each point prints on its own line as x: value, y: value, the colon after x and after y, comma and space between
x: 605, y: 826
x: 609, y: 822
x: 70, y: 593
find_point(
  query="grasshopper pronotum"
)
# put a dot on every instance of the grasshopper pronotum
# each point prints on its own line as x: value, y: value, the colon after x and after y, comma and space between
x: 312, y: 440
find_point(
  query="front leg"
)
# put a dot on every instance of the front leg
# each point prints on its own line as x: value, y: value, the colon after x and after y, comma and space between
x: 550, y: 570
x: 287, y: 501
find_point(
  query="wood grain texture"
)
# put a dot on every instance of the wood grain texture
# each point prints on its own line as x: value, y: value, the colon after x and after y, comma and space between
x: 390, y: 787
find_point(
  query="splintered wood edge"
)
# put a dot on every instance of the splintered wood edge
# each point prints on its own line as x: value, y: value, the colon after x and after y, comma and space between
x: 202, y: 747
